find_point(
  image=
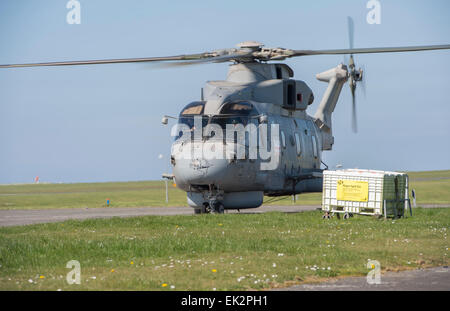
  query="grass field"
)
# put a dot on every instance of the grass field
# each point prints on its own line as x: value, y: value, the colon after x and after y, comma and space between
x: 432, y: 187
x: 223, y: 252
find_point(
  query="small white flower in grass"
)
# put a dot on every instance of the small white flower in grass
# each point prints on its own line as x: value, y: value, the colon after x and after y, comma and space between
x: 59, y: 289
x: 329, y: 268
x: 274, y: 265
x: 280, y: 254
x: 214, y: 289
x: 172, y: 286
x: 30, y: 281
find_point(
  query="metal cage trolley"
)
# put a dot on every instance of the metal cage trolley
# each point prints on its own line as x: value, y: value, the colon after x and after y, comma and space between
x: 365, y: 192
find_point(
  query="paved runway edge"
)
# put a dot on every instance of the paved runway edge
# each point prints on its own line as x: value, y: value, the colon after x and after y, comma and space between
x: 429, y: 279
x: 29, y: 217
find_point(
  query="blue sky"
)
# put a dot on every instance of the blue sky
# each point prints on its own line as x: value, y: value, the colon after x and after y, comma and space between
x: 102, y: 123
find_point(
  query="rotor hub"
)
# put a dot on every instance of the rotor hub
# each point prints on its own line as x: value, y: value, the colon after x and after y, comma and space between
x: 250, y: 45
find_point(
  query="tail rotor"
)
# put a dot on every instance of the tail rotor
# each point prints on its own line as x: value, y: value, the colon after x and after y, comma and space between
x: 354, y: 75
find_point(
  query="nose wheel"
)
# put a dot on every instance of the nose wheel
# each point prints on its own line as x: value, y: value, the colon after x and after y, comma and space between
x: 217, y: 208
x: 213, y: 208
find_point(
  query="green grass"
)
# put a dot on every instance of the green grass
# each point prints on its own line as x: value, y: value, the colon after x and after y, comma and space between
x: 216, y: 251
x: 120, y: 194
x: 432, y: 187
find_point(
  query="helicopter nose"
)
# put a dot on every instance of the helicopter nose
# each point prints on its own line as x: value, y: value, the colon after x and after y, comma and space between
x: 200, y: 171
x: 193, y: 165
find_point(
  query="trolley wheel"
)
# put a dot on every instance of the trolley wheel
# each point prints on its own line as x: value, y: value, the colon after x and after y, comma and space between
x: 326, y: 216
x: 346, y: 216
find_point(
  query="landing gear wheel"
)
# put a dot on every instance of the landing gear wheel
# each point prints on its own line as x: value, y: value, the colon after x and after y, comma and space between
x: 218, y: 208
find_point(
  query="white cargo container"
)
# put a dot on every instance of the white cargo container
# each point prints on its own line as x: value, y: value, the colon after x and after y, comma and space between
x: 366, y: 192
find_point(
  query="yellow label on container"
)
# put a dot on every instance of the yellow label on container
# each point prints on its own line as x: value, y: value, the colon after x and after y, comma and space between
x: 352, y: 190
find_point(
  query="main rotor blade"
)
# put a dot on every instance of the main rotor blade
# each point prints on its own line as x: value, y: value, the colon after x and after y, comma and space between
x: 216, y: 59
x: 369, y: 50
x: 351, y: 30
x: 113, y: 61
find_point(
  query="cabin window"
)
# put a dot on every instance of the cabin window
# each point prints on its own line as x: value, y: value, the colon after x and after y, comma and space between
x: 298, y: 144
x: 283, y: 140
x: 314, y: 142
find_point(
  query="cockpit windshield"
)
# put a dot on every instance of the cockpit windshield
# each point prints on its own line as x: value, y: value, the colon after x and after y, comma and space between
x: 236, y: 112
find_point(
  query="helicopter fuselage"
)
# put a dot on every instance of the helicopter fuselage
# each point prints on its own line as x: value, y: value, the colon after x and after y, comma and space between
x: 248, y: 137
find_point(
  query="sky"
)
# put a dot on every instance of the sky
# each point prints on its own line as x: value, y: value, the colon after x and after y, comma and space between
x: 103, y: 123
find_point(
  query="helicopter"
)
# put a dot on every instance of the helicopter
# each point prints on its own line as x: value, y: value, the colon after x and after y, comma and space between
x: 250, y: 136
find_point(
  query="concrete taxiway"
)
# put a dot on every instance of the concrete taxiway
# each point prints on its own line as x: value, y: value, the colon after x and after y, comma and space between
x: 430, y: 279
x: 28, y: 217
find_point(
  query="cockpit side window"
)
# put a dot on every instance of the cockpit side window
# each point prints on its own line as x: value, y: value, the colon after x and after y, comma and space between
x: 194, y: 108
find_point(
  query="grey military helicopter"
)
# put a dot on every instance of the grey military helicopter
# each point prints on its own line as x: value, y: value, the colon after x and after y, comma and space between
x: 250, y: 135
